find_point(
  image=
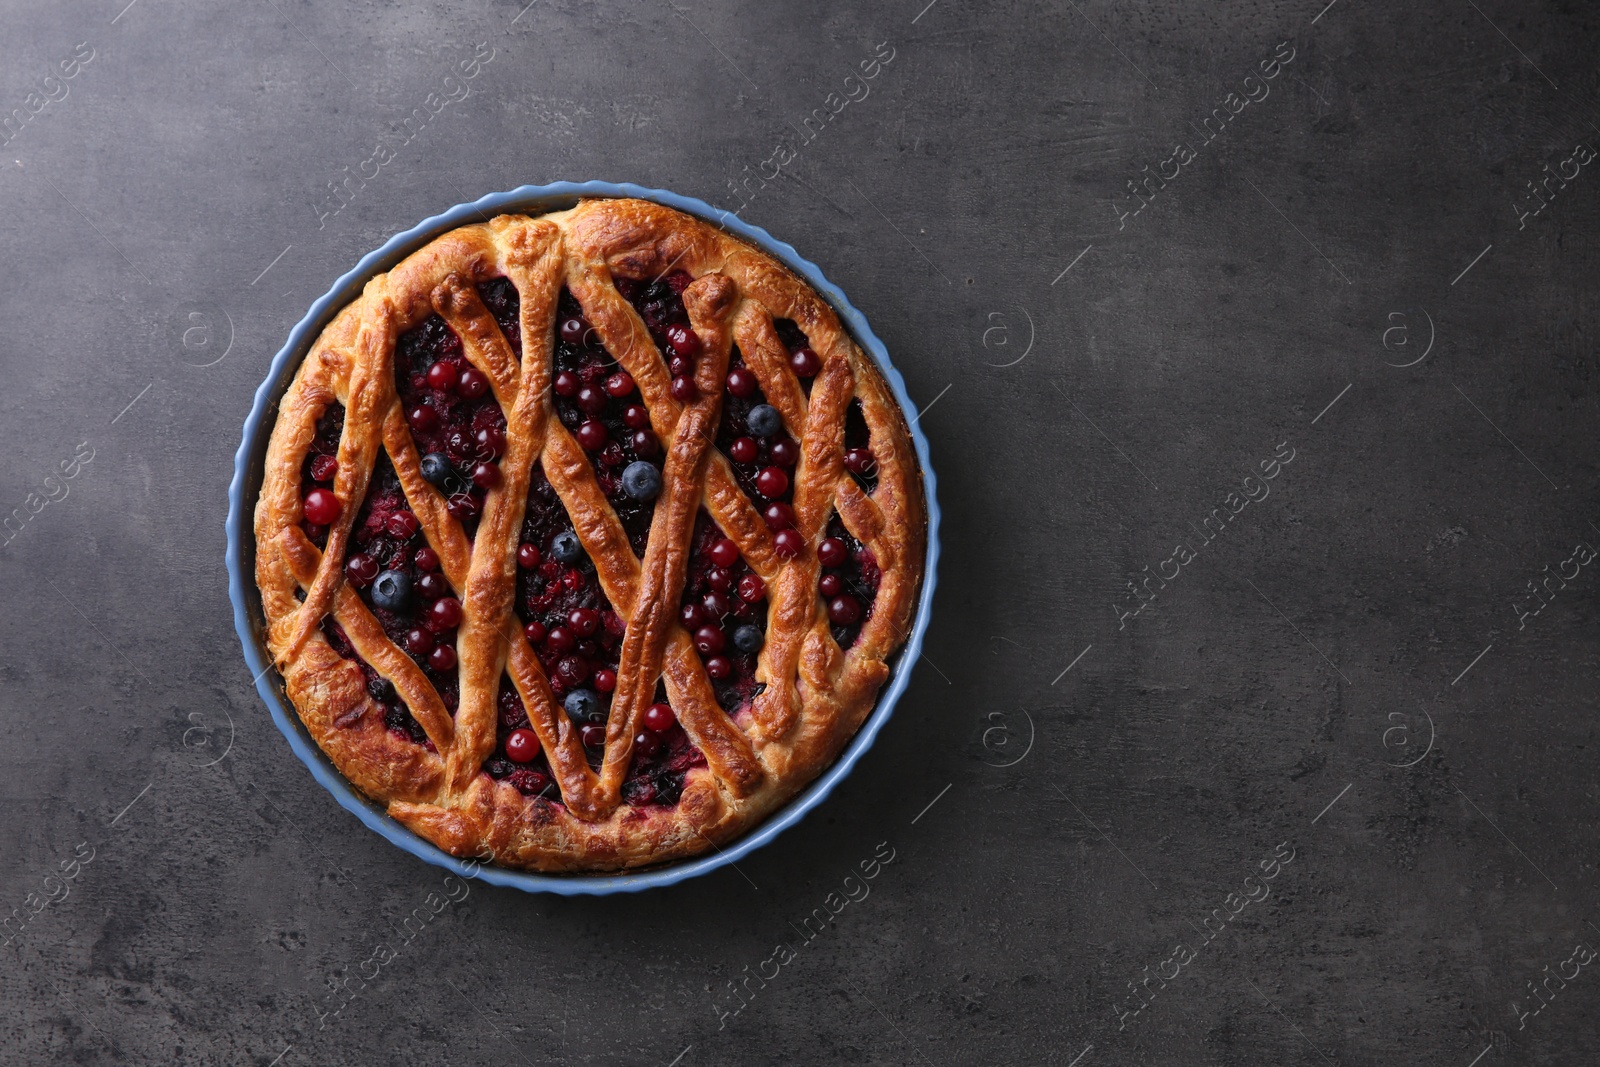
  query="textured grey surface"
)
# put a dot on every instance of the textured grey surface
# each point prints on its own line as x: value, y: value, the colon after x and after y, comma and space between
x: 1352, y: 640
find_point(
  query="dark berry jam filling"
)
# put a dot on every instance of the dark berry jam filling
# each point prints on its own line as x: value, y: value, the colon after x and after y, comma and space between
x: 398, y: 576
x: 396, y: 714
x: 763, y: 461
x: 849, y: 582
x: 662, y: 757
x: 321, y: 464
x: 802, y: 359
x: 455, y: 419
x: 505, y: 304
x: 858, y: 458
x: 598, y: 402
x: 518, y: 759
x: 724, y: 609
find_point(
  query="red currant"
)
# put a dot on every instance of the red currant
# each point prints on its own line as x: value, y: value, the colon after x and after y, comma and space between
x: 426, y: 559
x: 586, y: 621
x: 635, y: 416
x: 486, y: 476
x: 778, y: 516
x: 528, y: 555
x: 619, y: 384
x: 645, y: 445
x: 658, y: 718
x: 784, y: 452
x: 443, y: 375
x: 832, y: 552
x: 361, y: 568
x: 473, y: 383
x: 786, y: 544
x: 647, y: 744
x: 534, y: 632
x: 445, y: 613
x: 491, y: 443
x: 719, y: 579
x: 860, y: 461
x: 719, y: 667
x: 605, y: 680
x: 772, y: 482
x: 419, y: 642
x: 683, y: 389
x: 684, y: 341
x: 322, y: 508
x: 741, y: 382
x: 724, y: 552
x: 593, y: 735
x: 693, y: 616
x: 844, y: 611
x: 522, y: 746
x: 423, y: 419
x: 442, y: 658
x: 830, y: 585
x: 462, y: 507
x: 567, y: 384
x: 560, y: 639
x: 592, y: 435
x: 716, y: 605
x: 590, y: 401
x: 432, y: 586
x: 805, y: 362
x: 752, y: 589
x: 573, y: 330
x: 709, y: 640
x: 402, y: 525
x: 744, y: 450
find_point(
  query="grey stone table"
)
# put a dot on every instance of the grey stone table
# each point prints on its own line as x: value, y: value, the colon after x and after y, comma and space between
x: 1256, y: 345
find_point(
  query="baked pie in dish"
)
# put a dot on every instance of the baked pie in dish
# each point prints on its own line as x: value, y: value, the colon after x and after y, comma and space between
x: 585, y: 541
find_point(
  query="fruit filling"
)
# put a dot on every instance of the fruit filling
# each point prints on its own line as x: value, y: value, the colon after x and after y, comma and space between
x: 598, y: 402
x: 858, y: 458
x: 518, y: 757
x: 802, y: 359
x: 398, y: 576
x: 662, y: 756
x: 396, y: 714
x: 724, y: 609
x: 455, y: 420
x: 849, y: 582
x: 505, y: 304
x: 319, y: 505
x: 762, y: 453
x: 566, y: 615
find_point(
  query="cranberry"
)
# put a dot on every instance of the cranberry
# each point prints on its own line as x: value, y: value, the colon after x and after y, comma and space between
x: 684, y: 341
x: 419, y: 642
x: 646, y: 744
x: 528, y: 556
x: 592, y: 435
x: 719, y: 667
x: 645, y: 445
x: 588, y: 649
x: 486, y: 476
x: 593, y: 735
x: 462, y: 507
x: 473, y: 384
x: 677, y: 366
x: 442, y: 658
x: 572, y: 581
x: 573, y: 330
x: 744, y: 450
x: 716, y: 605
x: 459, y: 445
x: 432, y: 586
x: 619, y: 384
x: 567, y: 384
x: 423, y: 419
x: 402, y: 525
x: 752, y: 589
x: 443, y: 375
x: 658, y: 718
x: 636, y: 416
x: 361, y: 568
x: 832, y: 552
x: 805, y: 362
x: 683, y: 389
x: 322, y: 508
x: 445, y: 613
x: 586, y: 621
x: 605, y: 680
x: 323, y: 468
x: 831, y: 585
x: 860, y: 461
x: 612, y: 456
x: 613, y: 623
x: 522, y: 746
x: 590, y: 401
x: 724, y: 552
x: 529, y: 783
x: 693, y: 616
x: 785, y: 453
x: 491, y: 443
x: 560, y: 639
x: 534, y: 632
x: 719, y: 579
x: 786, y: 544
x: 741, y: 382
x: 844, y: 611
x: 772, y: 482
x: 572, y: 670
x: 709, y: 640
x: 778, y: 516
x: 426, y: 559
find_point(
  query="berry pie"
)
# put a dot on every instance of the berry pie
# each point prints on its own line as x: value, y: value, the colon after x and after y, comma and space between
x: 586, y: 540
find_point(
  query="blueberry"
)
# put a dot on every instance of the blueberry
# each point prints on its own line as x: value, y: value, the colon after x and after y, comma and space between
x: 564, y: 548
x: 764, y: 420
x: 641, y: 480
x: 391, y: 590
x: 436, y: 469
x: 584, y: 706
x: 748, y: 639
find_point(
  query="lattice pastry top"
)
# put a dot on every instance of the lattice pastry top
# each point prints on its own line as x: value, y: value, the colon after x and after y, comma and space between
x: 584, y: 539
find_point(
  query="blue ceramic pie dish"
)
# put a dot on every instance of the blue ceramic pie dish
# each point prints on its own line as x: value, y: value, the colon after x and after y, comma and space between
x: 247, y: 474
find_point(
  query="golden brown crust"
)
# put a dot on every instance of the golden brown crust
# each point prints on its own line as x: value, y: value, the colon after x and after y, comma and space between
x: 817, y: 694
